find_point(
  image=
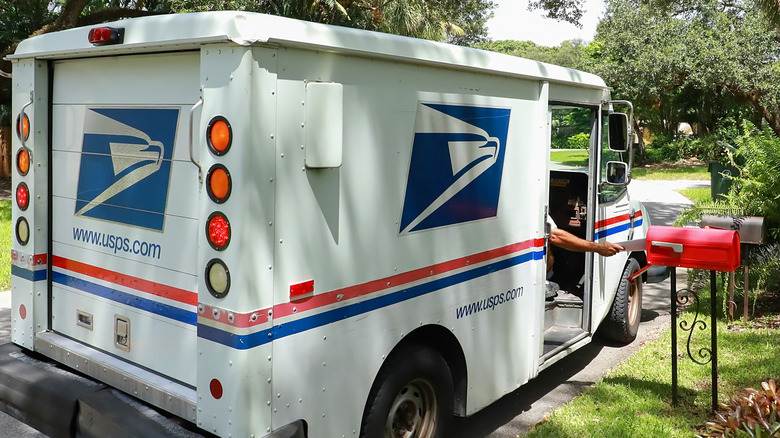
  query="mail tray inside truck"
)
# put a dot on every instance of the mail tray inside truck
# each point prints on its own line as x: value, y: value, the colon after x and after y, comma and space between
x: 697, y: 248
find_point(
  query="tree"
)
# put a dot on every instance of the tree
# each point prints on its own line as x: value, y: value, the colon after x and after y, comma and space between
x: 701, y: 61
x: 571, y: 54
x: 456, y: 21
x: 562, y: 10
x: 461, y: 22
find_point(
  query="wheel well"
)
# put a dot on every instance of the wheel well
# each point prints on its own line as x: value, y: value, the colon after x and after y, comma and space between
x: 446, y: 344
x: 640, y: 257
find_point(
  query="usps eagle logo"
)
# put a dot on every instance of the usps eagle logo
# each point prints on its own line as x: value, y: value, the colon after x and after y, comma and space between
x: 456, y: 165
x: 126, y: 165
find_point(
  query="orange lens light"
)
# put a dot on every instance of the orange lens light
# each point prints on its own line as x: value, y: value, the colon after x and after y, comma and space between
x: 23, y: 162
x: 220, y: 135
x: 219, y: 184
x: 23, y: 127
x: 218, y: 231
x: 22, y: 196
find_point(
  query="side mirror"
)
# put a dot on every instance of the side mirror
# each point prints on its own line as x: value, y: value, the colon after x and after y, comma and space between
x: 617, y: 173
x: 618, y: 132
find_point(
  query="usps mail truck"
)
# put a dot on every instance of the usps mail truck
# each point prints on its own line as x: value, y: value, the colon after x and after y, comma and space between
x: 269, y: 227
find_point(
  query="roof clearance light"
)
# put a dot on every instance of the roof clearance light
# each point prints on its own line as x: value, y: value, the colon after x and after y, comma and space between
x: 218, y: 183
x: 218, y: 231
x: 22, y: 231
x: 23, y: 162
x: 219, y: 135
x: 22, y: 196
x: 217, y: 278
x: 23, y: 127
x: 101, y: 36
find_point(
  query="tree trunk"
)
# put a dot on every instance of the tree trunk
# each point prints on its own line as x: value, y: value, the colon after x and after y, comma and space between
x: 5, y: 152
x: 753, y: 97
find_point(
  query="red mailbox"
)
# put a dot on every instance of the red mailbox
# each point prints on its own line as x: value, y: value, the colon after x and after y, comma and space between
x: 696, y: 248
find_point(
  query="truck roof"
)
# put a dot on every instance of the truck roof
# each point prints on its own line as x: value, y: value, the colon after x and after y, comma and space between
x: 191, y: 30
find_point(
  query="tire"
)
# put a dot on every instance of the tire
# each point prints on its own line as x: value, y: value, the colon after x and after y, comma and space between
x: 412, y: 397
x: 622, y: 322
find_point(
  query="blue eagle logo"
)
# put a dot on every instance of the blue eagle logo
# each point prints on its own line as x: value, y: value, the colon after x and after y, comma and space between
x: 126, y: 165
x: 456, y: 165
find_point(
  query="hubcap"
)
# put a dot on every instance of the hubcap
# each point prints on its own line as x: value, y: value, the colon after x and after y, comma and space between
x: 633, y: 301
x: 413, y: 413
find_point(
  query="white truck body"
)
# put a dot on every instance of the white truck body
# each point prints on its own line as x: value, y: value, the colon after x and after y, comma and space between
x: 407, y: 179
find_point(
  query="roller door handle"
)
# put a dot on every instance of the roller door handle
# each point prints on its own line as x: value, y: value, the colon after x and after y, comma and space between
x: 192, y: 124
x: 22, y: 115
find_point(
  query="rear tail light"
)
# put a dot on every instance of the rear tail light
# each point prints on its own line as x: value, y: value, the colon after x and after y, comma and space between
x: 218, y: 183
x: 217, y: 278
x: 23, y: 162
x: 218, y: 231
x: 22, y: 231
x: 215, y: 386
x: 100, y: 36
x: 22, y: 196
x: 219, y: 135
x: 23, y: 127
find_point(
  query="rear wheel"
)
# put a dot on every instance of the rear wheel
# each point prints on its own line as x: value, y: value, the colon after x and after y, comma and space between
x: 622, y: 323
x: 412, y: 397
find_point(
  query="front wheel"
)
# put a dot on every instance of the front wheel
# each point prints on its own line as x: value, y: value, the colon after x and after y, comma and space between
x: 412, y: 397
x: 622, y: 323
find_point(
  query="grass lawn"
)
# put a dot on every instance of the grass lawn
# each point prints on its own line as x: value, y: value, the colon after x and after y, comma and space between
x: 5, y: 244
x: 671, y: 172
x: 697, y: 195
x: 577, y: 157
x: 634, y: 399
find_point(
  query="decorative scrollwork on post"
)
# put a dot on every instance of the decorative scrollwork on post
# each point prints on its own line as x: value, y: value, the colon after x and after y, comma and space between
x: 688, y: 298
x: 682, y: 299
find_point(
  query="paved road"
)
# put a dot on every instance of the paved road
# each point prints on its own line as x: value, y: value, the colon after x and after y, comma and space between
x: 9, y: 426
x: 516, y: 413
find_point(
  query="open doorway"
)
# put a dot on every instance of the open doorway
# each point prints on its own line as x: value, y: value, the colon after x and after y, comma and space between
x: 572, y: 132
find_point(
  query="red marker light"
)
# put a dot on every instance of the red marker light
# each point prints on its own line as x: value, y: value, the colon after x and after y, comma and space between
x: 22, y: 196
x: 106, y: 35
x: 301, y: 290
x: 215, y: 386
x: 218, y: 231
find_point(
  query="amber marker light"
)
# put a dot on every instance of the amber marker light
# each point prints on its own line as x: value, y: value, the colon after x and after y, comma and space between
x: 219, y: 135
x: 23, y: 162
x: 218, y: 183
x: 22, y: 196
x: 23, y: 127
x: 218, y: 231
